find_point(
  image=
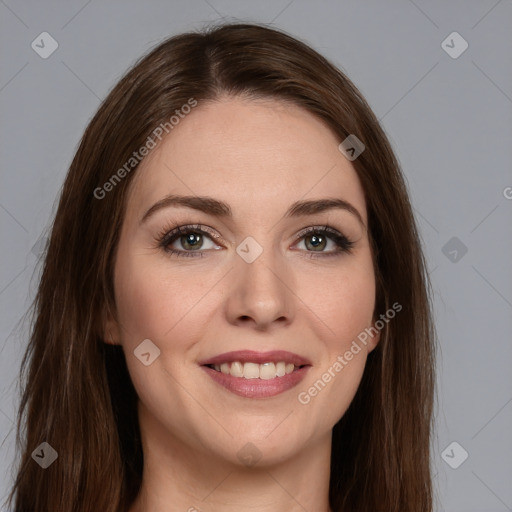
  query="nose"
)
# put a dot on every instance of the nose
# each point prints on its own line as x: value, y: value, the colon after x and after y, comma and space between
x: 261, y: 295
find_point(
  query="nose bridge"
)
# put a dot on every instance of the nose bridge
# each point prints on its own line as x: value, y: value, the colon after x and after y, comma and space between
x: 261, y: 284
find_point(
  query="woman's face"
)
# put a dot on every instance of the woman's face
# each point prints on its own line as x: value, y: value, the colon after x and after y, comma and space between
x: 252, y: 313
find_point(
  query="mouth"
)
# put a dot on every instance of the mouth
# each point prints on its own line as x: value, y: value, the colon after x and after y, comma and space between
x: 257, y: 374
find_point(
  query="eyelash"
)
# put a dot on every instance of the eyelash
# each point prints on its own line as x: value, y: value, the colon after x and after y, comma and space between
x: 170, y: 234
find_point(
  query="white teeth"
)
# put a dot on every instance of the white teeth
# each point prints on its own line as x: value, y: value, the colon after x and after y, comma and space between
x: 265, y: 371
x: 251, y: 371
x: 237, y: 369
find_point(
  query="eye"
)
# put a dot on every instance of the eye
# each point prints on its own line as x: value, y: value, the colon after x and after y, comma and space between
x: 191, y: 239
x: 317, y: 238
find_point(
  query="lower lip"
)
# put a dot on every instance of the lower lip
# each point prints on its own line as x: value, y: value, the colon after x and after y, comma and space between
x: 257, y: 388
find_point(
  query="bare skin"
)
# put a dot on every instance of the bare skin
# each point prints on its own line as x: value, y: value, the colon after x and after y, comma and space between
x: 259, y: 157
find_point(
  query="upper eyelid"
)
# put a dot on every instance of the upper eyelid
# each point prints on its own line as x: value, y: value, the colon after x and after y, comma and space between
x: 320, y: 228
x: 191, y: 228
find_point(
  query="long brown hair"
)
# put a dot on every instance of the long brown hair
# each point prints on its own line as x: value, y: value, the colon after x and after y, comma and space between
x: 77, y: 393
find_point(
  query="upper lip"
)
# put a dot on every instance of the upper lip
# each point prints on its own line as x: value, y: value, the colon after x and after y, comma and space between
x: 250, y: 356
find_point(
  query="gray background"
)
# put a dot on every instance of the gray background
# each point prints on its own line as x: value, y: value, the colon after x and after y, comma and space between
x: 448, y: 119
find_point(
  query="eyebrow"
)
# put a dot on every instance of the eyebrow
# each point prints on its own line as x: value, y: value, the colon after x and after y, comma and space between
x: 220, y: 209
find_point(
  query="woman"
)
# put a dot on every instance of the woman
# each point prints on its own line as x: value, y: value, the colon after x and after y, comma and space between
x: 233, y: 311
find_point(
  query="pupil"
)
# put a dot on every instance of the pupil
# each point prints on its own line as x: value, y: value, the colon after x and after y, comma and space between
x: 190, y: 239
x: 316, y: 241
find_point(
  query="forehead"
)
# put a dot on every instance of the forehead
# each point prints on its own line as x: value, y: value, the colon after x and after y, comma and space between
x: 252, y: 154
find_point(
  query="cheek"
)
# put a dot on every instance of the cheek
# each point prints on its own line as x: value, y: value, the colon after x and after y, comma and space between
x: 344, y: 303
x: 156, y: 304
x: 152, y: 302
x: 343, y: 300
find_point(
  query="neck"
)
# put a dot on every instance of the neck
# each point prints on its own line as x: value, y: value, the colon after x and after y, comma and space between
x: 181, y: 478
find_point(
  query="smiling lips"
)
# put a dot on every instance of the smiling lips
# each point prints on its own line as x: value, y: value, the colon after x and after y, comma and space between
x: 257, y: 374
